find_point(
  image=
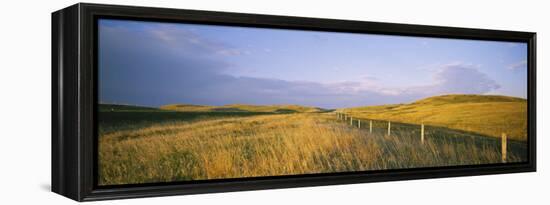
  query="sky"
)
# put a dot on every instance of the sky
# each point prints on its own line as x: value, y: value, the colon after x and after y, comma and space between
x: 154, y: 64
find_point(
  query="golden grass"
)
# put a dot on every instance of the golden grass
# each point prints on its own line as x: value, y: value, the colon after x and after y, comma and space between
x: 489, y: 115
x: 268, y: 145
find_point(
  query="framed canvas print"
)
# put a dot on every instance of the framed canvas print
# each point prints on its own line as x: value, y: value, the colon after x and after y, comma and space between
x: 155, y: 102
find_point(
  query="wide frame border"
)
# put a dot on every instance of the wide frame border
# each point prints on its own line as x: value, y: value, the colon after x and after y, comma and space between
x: 74, y: 94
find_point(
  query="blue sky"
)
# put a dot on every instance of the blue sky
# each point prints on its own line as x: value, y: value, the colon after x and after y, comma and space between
x: 153, y: 64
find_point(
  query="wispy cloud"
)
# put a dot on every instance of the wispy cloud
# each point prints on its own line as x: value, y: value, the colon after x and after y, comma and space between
x: 519, y: 65
x: 181, y: 38
x: 461, y: 78
x: 452, y: 78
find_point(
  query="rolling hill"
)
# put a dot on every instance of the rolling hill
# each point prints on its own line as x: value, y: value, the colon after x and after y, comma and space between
x: 242, y: 108
x: 485, y: 114
x: 126, y: 108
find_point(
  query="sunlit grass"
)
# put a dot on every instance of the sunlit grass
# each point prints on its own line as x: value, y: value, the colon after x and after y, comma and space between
x: 272, y: 145
x: 489, y: 115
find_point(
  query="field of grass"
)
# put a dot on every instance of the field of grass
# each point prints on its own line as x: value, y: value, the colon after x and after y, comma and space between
x: 149, y: 145
x: 487, y: 115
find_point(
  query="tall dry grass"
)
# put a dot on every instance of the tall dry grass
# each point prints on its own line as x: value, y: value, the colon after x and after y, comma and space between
x: 488, y: 115
x: 268, y: 145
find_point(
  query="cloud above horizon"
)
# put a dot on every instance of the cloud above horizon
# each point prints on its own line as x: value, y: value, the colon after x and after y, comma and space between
x: 519, y: 65
x: 458, y: 79
x: 155, y: 65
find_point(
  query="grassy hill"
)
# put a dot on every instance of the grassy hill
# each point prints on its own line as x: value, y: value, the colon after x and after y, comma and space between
x: 126, y: 108
x: 485, y: 114
x: 242, y: 108
x: 114, y: 117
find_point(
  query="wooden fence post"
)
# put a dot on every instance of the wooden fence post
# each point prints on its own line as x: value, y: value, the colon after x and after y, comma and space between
x: 351, y: 121
x: 389, y: 128
x: 422, y: 133
x: 359, y: 124
x: 370, y: 126
x: 503, y: 147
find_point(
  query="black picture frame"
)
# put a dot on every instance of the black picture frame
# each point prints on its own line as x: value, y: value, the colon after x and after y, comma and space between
x: 74, y: 94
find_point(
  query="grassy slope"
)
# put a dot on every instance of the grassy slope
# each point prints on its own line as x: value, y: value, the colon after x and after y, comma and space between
x: 114, y: 117
x: 489, y: 115
x: 241, y: 108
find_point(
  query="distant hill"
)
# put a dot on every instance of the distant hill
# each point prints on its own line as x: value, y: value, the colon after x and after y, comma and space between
x: 125, y: 108
x: 486, y: 114
x: 242, y: 108
x: 450, y: 99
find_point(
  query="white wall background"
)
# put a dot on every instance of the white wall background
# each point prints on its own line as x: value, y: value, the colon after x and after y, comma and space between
x: 25, y: 102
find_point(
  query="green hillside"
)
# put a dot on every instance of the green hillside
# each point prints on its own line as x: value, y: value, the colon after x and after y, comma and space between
x: 485, y: 114
x: 242, y: 108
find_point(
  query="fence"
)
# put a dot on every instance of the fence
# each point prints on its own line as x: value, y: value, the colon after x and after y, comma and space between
x: 422, y: 128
